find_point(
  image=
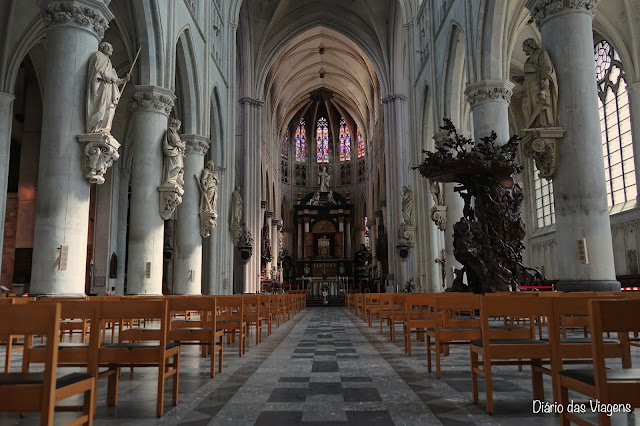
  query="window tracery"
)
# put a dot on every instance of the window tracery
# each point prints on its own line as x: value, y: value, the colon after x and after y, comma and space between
x: 301, y: 142
x: 322, y: 140
x: 345, y: 142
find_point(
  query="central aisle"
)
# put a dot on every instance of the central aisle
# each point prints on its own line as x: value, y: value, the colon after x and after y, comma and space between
x: 322, y: 369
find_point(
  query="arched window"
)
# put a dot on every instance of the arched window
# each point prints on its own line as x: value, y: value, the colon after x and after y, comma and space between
x: 615, y: 125
x: 301, y: 143
x: 345, y: 142
x: 545, y: 206
x: 284, y: 149
x: 322, y: 139
x: 366, y: 232
x: 360, y: 141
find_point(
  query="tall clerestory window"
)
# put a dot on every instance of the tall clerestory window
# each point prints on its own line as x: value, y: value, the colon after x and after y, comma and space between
x: 615, y: 125
x: 345, y: 142
x: 284, y: 149
x: 301, y: 143
x: 360, y: 143
x: 545, y: 206
x: 322, y: 140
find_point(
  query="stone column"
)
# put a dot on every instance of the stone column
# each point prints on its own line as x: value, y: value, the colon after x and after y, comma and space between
x: 300, y: 253
x: 187, y: 277
x: 252, y: 148
x: 306, y: 232
x: 396, y: 127
x: 268, y: 217
x: 347, y: 239
x: 151, y: 107
x: 489, y: 101
x: 6, y: 115
x: 275, y: 236
x: 580, y: 193
x: 74, y: 29
x: 123, y: 210
x: 633, y: 91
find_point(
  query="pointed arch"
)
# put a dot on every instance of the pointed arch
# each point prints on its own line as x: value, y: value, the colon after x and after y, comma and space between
x: 187, y: 91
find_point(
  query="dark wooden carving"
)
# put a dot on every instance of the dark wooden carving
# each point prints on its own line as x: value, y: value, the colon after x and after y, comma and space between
x: 487, y: 240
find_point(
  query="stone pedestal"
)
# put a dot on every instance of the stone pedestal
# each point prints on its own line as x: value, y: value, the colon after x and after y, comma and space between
x: 100, y: 151
x: 579, y: 184
x: 489, y: 101
x: 151, y: 107
x: 439, y: 216
x: 6, y: 110
x: 541, y: 144
x: 74, y: 29
x: 187, y: 278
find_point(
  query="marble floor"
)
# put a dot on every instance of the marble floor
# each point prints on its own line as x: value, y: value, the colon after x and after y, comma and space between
x: 323, y: 367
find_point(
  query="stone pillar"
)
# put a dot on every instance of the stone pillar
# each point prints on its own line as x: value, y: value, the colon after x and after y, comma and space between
x: 633, y: 91
x: 580, y: 193
x: 300, y: 253
x: 187, y: 277
x: 306, y: 232
x: 275, y: 236
x: 74, y: 29
x: 347, y: 239
x: 151, y: 107
x: 268, y: 217
x: 489, y: 101
x: 396, y: 128
x: 6, y: 115
x: 252, y: 148
x: 105, y: 233
x: 123, y: 210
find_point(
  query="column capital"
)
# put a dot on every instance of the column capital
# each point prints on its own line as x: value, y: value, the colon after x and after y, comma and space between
x: 153, y: 99
x: 6, y: 97
x: 489, y: 91
x: 394, y: 97
x: 268, y: 215
x: 275, y: 222
x: 263, y: 205
x: 195, y: 144
x: 252, y: 102
x: 91, y: 15
x: 542, y: 10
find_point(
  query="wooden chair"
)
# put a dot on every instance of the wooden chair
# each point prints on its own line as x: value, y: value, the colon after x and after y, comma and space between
x: 577, y: 350
x: 398, y: 314
x: 252, y: 314
x: 70, y: 324
x: 606, y: 385
x: 140, y: 347
x: 372, y: 306
x: 455, y: 323
x: 206, y: 333
x: 231, y: 320
x: 418, y: 317
x: 40, y: 391
x: 497, y: 348
x: 385, y: 309
x: 11, y: 340
x: 264, y: 310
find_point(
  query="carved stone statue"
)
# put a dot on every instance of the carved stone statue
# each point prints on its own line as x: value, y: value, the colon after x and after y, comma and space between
x: 236, y: 206
x: 407, y: 205
x: 315, y: 200
x: 325, y: 179
x: 103, y: 94
x: 208, y: 185
x: 540, y: 87
x: 436, y: 193
x: 172, y: 187
x: 173, y: 148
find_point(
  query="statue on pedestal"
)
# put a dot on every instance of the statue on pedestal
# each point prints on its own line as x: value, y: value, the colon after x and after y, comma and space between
x: 208, y: 185
x: 172, y: 187
x: 539, y: 87
x: 103, y: 94
x: 407, y: 205
x: 325, y: 179
x: 236, y: 206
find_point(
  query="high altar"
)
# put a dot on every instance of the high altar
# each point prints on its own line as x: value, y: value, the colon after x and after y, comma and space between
x: 324, y: 250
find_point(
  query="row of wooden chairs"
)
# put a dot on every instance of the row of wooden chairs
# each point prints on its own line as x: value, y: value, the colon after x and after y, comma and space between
x: 507, y: 329
x: 154, y: 342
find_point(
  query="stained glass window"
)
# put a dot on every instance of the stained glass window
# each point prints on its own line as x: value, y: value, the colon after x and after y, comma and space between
x: 301, y: 143
x: 615, y: 125
x: 284, y: 150
x: 322, y: 139
x: 360, y: 141
x: 345, y: 142
x: 545, y: 207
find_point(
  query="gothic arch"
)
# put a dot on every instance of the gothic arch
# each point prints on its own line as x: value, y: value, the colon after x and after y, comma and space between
x: 186, y: 84
x: 454, y: 77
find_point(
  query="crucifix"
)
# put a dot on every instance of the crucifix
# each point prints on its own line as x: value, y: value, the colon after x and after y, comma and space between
x: 443, y: 268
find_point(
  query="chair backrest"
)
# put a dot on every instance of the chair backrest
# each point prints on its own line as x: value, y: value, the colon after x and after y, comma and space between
x: 457, y: 310
x: 607, y: 316
x: 515, y: 308
x: 232, y: 307
x: 42, y: 319
x: 419, y: 306
x: 154, y: 309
